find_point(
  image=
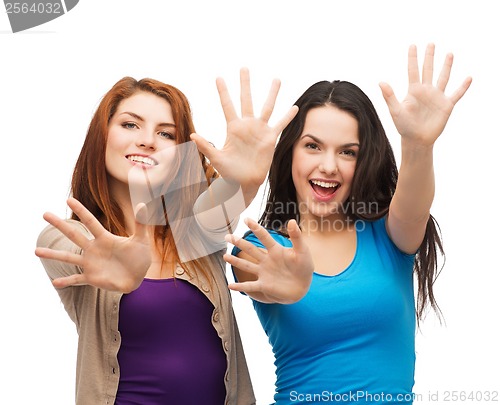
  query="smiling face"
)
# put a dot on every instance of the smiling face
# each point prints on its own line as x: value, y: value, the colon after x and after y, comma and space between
x: 139, y: 135
x: 323, y: 162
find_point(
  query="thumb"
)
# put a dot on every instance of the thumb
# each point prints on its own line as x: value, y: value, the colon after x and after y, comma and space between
x: 204, y: 147
x: 69, y: 281
x: 141, y: 221
x: 389, y: 96
x: 289, y: 116
x: 296, y: 236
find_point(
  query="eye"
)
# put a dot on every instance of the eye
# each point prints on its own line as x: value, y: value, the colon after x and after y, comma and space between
x: 129, y: 125
x: 350, y: 152
x: 311, y: 145
x: 166, y: 135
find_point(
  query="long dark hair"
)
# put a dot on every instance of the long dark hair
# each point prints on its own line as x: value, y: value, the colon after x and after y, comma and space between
x: 374, y: 180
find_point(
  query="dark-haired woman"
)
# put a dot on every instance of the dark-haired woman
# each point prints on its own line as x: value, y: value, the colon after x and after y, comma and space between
x: 342, y: 236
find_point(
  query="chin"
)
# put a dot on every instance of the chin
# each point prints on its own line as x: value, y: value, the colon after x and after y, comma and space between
x: 325, y: 209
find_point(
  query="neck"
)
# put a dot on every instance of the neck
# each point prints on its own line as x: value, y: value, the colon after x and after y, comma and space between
x: 325, y: 226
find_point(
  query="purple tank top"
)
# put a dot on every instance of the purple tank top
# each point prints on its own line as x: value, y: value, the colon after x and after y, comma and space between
x: 170, y: 352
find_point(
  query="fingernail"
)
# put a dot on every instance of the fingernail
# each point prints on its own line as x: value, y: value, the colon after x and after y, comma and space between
x: 231, y: 238
x: 250, y: 223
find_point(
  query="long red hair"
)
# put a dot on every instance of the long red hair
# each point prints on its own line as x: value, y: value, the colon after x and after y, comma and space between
x: 90, y: 184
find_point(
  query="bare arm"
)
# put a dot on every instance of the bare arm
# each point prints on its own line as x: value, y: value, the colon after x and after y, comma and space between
x: 420, y: 119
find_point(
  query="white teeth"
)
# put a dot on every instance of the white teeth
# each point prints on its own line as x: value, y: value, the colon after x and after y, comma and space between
x: 324, y: 184
x: 142, y: 159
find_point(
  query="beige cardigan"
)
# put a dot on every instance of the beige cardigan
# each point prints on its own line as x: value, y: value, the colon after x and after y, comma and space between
x: 95, y: 314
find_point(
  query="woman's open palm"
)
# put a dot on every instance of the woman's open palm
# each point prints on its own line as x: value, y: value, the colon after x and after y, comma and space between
x: 107, y: 261
x: 281, y: 275
x: 424, y: 112
x: 247, y: 153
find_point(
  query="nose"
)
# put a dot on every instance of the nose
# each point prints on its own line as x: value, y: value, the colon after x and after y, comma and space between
x: 328, y: 164
x: 146, y: 139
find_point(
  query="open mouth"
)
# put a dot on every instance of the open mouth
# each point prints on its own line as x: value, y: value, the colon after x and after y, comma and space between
x: 144, y: 160
x: 324, y: 189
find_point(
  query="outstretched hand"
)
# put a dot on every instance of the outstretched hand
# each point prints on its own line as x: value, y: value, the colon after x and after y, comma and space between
x: 108, y: 261
x: 247, y: 153
x: 283, y: 275
x: 423, y: 114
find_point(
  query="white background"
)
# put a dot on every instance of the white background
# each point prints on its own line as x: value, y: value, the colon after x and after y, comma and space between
x: 53, y: 76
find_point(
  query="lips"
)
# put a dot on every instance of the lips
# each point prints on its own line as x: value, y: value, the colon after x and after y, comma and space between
x: 143, y: 160
x: 324, y: 190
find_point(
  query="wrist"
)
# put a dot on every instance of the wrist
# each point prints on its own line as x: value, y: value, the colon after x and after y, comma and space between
x: 249, y: 192
x: 416, y: 147
x: 248, y: 189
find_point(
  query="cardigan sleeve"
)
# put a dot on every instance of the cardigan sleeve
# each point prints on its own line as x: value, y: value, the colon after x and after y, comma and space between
x: 52, y: 238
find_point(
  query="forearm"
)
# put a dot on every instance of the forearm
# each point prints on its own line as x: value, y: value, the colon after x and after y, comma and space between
x: 222, y: 203
x: 416, y: 185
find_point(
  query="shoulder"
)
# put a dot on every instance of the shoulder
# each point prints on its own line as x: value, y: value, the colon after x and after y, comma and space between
x: 279, y: 237
x: 378, y: 232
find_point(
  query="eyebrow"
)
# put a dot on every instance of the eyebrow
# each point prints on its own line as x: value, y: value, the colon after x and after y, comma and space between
x: 139, y: 118
x: 317, y: 140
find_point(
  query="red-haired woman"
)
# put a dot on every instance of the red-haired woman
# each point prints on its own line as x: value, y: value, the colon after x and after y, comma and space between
x: 145, y: 285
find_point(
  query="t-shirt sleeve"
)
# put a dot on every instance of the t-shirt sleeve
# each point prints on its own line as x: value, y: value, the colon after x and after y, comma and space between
x: 250, y: 237
x: 401, y: 257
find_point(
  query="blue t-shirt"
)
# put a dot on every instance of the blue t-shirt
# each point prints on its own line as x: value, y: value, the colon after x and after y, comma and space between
x: 351, y: 339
